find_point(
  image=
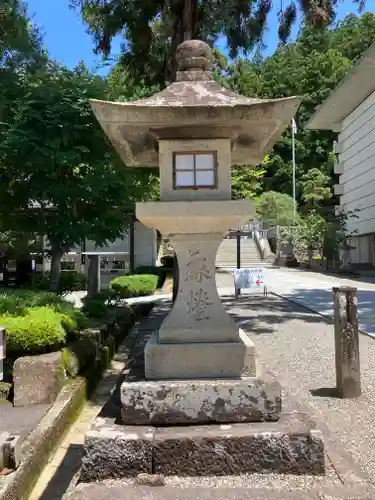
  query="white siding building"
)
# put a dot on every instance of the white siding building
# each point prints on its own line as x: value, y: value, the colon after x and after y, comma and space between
x: 350, y: 112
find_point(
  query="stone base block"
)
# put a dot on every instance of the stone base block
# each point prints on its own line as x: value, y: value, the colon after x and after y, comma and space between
x: 200, y: 360
x: 289, y: 446
x: 37, y: 379
x: 292, y: 445
x: 201, y: 401
x: 112, y: 451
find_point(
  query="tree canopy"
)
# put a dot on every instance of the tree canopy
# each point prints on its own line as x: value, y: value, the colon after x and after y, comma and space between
x: 152, y: 30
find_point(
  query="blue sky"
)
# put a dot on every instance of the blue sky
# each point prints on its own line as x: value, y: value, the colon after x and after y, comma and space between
x: 67, y: 41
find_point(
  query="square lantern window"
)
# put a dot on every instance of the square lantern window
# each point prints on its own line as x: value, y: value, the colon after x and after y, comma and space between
x: 195, y: 170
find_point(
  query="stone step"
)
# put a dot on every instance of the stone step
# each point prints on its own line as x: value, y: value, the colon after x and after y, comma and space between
x: 246, y: 399
x: 122, y: 490
x: 292, y: 445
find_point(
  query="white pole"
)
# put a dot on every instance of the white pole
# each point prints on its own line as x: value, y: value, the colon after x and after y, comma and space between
x: 294, y: 166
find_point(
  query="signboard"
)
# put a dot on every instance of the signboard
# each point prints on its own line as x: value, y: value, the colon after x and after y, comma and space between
x: 250, y: 277
x: 2, y: 351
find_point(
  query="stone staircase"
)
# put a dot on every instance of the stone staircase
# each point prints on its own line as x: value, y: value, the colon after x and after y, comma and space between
x: 227, y: 254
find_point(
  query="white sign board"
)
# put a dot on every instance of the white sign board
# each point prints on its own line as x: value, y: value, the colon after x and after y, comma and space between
x: 2, y: 352
x: 250, y: 277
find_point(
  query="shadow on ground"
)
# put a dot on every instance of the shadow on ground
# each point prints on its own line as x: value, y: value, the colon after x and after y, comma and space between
x: 321, y: 301
x: 64, y: 474
x: 248, y: 312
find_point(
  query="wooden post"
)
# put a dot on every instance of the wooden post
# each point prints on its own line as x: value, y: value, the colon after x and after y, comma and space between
x: 348, y: 375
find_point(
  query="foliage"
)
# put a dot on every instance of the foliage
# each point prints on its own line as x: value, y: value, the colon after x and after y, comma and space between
x: 310, y: 67
x: 58, y: 174
x: 100, y: 304
x: 134, y: 285
x: 153, y: 29
x: 78, y: 355
x: 40, y: 330
x: 338, y: 231
x: 310, y: 232
x: 69, y: 281
x: 246, y: 182
x: 315, y: 188
x: 17, y: 302
x: 276, y: 209
x: 154, y: 270
x: 20, y: 50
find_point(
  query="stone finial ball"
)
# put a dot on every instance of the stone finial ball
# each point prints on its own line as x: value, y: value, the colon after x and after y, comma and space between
x: 194, y: 55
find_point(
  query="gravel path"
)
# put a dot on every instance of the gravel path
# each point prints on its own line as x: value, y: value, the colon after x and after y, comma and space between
x: 299, y: 346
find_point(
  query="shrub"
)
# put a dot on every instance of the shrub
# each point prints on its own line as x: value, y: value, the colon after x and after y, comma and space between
x: 155, y: 270
x: 167, y: 261
x: 39, y: 331
x: 78, y: 355
x: 100, y: 305
x: 17, y: 302
x: 69, y: 281
x: 134, y: 285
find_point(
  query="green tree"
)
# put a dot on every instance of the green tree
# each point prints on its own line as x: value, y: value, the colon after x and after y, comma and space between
x: 309, y: 234
x: 276, y: 209
x: 311, y: 67
x: 315, y: 188
x: 59, y: 176
x: 20, y: 50
x: 246, y: 182
x: 153, y: 29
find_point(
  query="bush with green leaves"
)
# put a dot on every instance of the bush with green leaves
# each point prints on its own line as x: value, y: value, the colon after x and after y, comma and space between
x: 156, y: 270
x: 17, y: 302
x: 99, y: 305
x: 38, y: 331
x: 135, y: 285
x: 69, y: 281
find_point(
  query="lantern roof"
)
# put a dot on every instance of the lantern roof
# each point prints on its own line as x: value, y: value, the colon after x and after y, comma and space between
x: 194, y: 106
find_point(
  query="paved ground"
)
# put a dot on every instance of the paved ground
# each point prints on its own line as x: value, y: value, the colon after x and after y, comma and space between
x: 299, y: 346
x: 20, y: 420
x: 314, y: 290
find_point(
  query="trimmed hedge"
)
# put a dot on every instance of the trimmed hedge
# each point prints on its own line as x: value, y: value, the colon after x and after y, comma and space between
x: 39, y: 331
x: 134, y: 285
x: 155, y: 270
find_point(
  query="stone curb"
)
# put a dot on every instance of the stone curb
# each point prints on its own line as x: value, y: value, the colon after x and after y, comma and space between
x: 43, y: 439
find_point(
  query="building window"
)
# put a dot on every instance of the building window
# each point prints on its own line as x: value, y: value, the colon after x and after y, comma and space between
x: 195, y: 170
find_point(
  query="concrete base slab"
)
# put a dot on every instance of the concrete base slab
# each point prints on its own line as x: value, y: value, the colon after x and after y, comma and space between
x: 113, y: 451
x: 290, y: 446
x: 201, y: 401
x: 118, y: 490
x: 200, y: 360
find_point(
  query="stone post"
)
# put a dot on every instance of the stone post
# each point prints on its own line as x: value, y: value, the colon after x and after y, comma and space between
x: 348, y: 376
x: 93, y: 275
x: 2, y: 351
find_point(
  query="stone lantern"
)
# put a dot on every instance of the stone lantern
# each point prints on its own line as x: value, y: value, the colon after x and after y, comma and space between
x: 194, y: 130
x: 200, y: 368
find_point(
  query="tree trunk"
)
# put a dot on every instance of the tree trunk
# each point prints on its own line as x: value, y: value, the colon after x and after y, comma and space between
x: 56, y: 255
x: 187, y: 20
x: 310, y: 256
